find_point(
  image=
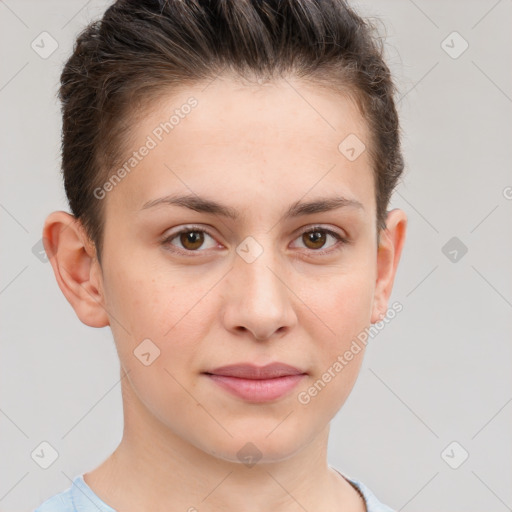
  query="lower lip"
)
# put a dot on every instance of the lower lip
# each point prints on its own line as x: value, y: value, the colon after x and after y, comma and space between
x: 257, y: 390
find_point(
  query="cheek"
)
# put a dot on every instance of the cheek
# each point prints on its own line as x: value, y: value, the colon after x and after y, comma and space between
x: 341, y: 304
x: 352, y: 305
x: 342, y: 312
x: 168, y: 309
x: 346, y: 309
x: 158, y: 342
x: 147, y: 299
x: 145, y: 305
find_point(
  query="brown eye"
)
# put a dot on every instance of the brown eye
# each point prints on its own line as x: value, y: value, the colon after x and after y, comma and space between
x: 315, y: 238
x: 191, y: 240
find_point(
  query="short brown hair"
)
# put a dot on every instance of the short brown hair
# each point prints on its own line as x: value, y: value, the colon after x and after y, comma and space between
x: 140, y: 49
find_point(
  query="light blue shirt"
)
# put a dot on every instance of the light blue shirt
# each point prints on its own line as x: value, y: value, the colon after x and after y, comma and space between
x: 79, y: 497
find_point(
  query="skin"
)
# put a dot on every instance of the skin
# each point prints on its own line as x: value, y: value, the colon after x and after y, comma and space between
x: 257, y: 148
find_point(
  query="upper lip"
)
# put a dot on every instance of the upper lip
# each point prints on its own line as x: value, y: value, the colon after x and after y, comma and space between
x: 250, y: 371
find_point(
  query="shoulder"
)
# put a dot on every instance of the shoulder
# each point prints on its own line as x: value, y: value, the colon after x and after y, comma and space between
x: 62, y: 502
x: 79, y: 497
x: 371, y: 501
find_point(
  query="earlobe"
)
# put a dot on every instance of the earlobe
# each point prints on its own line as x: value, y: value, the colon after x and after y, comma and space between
x: 75, y: 266
x: 388, y: 257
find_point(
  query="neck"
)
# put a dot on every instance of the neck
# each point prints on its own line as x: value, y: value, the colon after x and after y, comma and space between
x: 153, y: 468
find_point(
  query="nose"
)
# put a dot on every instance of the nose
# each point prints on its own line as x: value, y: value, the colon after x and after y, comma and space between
x: 259, y: 297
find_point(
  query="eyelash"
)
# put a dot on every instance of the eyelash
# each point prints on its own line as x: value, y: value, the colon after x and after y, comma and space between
x: 341, y: 240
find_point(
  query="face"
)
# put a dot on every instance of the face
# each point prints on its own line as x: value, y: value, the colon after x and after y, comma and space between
x: 254, y: 279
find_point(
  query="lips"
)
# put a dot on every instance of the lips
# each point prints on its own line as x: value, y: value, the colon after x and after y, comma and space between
x: 250, y: 371
x: 257, y: 383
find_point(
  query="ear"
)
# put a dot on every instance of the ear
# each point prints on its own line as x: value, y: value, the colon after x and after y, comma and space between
x: 76, y: 268
x: 388, y: 255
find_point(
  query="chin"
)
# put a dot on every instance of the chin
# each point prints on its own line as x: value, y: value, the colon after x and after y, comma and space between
x: 256, y: 447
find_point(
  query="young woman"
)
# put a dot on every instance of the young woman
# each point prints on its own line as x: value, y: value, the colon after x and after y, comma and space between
x: 228, y: 165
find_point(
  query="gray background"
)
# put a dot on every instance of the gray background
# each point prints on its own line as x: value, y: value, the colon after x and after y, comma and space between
x: 439, y: 372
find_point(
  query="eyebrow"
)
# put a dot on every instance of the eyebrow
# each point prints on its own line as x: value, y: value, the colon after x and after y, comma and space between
x: 297, y: 209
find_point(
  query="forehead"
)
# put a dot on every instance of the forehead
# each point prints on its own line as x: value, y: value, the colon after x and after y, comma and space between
x: 285, y: 111
x: 224, y: 137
